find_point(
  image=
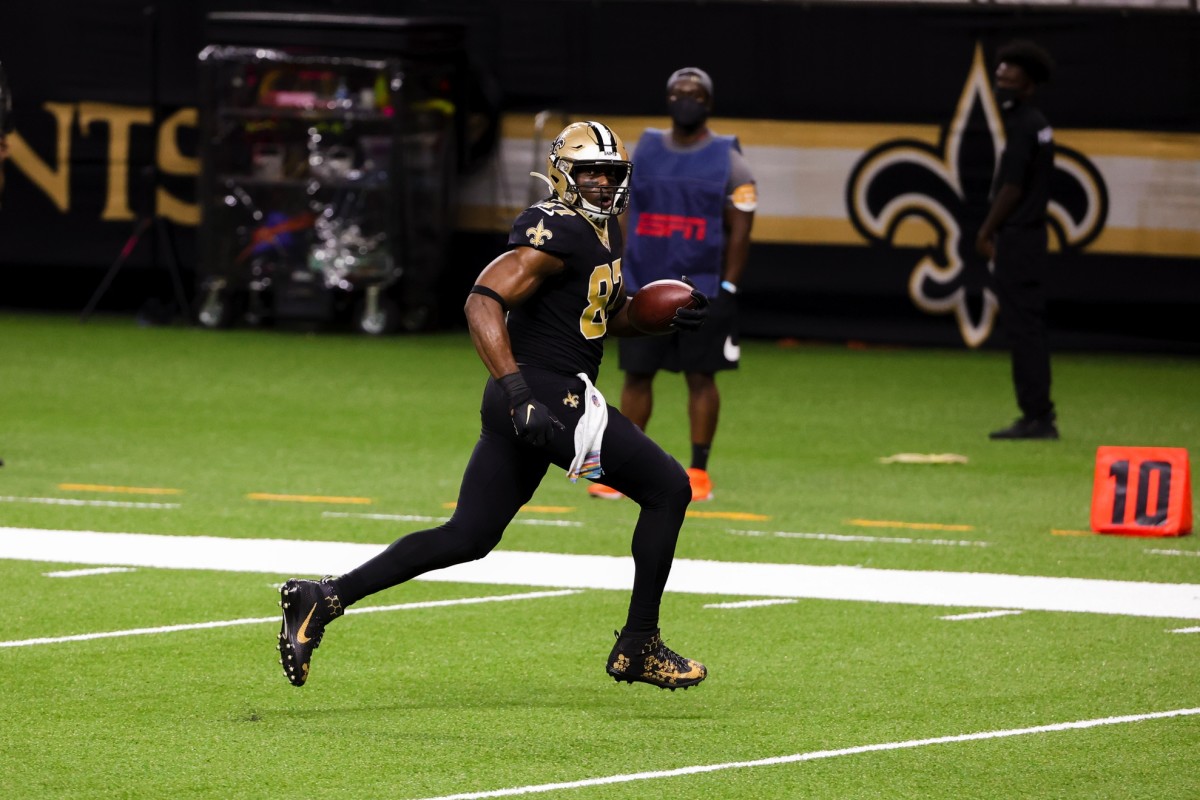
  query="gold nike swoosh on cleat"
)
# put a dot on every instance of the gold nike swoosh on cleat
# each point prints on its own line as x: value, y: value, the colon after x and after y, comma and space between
x: 696, y: 670
x: 684, y: 676
x: 300, y: 637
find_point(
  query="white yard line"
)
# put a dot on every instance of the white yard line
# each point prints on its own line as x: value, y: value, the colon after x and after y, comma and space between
x: 962, y: 590
x: 1192, y: 553
x: 70, y: 501
x: 229, y: 623
x: 979, y: 615
x: 749, y: 604
x: 814, y: 756
x: 854, y: 537
x: 83, y: 573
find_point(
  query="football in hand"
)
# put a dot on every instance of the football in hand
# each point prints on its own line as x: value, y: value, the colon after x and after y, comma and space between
x: 652, y: 307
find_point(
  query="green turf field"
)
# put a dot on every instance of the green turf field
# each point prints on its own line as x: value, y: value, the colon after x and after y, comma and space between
x: 854, y: 699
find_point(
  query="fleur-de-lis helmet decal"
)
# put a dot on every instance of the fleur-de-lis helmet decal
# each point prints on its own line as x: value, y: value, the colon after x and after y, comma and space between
x: 937, y: 196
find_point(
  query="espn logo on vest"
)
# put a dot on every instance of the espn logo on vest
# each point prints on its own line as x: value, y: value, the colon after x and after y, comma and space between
x: 665, y: 226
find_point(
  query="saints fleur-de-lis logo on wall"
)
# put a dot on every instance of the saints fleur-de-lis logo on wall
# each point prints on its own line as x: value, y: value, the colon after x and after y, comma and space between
x: 905, y: 192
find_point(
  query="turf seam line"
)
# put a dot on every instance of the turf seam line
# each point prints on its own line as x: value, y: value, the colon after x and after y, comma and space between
x: 920, y: 526
x: 382, y: 517
x: 857, y: 537
x: 83, y: 637
x: 1157, y: 552
x: 816, y: 755
x: 70, y: 501
x: 555, y: 523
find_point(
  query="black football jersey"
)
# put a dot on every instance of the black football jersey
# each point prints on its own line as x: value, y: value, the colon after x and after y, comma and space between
x: 563, y: 325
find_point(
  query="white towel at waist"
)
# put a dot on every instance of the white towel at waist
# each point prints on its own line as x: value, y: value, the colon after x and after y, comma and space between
x: 589, y: 433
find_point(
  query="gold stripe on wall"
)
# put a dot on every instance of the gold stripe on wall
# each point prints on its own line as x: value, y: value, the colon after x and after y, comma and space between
x: 828, y: 231
x: 1147, y: 241
x: 863, y: 136
x: 825, y: 135
x: 913, y: 232
x: 1156, y: 145
x: 805, y: 230
x: 750, y: 132
x: 833, y: 231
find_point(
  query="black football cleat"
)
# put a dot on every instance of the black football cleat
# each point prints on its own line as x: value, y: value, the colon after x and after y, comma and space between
x: 308, y: 606
x: 648, y: 660
x: 1028, y: 428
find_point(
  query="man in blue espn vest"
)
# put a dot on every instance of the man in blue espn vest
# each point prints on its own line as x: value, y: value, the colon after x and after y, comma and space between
x: 691, y: 210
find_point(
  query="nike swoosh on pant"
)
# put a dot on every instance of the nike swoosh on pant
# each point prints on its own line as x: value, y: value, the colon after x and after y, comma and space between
x: 733, y: 352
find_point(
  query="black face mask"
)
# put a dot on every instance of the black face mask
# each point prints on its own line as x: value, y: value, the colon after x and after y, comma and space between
x: 687, y: 112
x: 1006, y: 98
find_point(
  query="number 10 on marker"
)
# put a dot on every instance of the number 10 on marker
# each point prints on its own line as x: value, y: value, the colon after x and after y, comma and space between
x: 1142, y: 491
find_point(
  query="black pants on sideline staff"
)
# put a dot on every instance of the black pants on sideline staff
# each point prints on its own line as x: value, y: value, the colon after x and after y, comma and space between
x: 1020, y: 265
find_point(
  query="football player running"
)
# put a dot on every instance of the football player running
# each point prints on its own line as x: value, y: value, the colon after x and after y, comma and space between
x: 538, y: 316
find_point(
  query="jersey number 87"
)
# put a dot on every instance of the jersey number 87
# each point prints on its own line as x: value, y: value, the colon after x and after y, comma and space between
x: 603, y: 287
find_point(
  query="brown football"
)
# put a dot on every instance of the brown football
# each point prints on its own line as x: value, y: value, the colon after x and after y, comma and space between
x: 652, y: 307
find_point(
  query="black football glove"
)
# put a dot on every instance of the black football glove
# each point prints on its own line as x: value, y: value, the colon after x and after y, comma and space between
x: 532, y: 421
x: 690, y: 319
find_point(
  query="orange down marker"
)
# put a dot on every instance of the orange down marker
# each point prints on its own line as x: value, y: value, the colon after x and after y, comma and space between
x: 1142, y: 491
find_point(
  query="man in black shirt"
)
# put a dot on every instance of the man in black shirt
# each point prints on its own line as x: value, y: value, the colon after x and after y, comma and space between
x: 1013, y: 236
x: 538, y: 315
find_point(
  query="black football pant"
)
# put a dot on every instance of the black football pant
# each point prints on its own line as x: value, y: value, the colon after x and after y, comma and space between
x: 1020, y: 265
x: 503, y: 474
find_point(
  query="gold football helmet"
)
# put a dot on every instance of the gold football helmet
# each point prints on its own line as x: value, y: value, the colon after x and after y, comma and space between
x: 594, y: 145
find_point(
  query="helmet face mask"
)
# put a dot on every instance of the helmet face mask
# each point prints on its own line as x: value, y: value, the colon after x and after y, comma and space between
x: 590, y: 147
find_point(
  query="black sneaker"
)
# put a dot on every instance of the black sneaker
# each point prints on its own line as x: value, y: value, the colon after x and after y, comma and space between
x: 308, y: 606
x: 648, y: 660
x: 1025, y: 428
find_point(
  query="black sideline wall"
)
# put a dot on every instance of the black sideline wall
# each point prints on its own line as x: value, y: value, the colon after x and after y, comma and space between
x: 871, y: 129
